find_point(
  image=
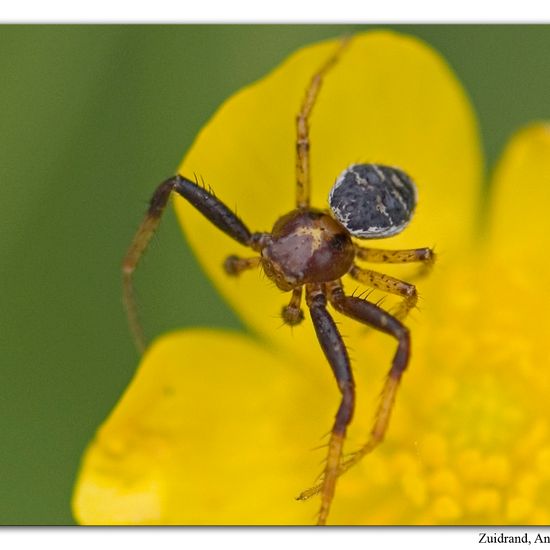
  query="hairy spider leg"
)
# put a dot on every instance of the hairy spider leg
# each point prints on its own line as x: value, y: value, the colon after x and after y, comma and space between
x: 206, y: 203
x: 336, y: 353
x: 370, y: 314
x: 426, y: 256
x: 389, y: 284
x: 302, y: 127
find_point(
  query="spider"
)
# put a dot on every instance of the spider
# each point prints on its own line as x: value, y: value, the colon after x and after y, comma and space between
x: 312, y: 249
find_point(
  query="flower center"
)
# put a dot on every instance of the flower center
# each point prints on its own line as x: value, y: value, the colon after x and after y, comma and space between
x: 470, y: 439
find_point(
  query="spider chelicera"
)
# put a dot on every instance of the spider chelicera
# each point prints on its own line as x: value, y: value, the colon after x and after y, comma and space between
x: 313, y: 249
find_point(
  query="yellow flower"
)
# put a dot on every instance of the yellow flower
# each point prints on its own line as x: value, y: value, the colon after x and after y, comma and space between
x: 219, y: 427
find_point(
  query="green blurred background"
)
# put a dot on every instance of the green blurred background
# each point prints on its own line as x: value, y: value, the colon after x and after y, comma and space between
x: 92, y: 118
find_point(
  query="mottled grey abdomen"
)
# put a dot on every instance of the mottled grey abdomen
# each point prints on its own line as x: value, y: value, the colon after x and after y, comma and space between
x: 373, y: 201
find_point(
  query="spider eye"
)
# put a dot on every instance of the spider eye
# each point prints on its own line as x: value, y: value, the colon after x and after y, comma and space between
x: 373, y: 201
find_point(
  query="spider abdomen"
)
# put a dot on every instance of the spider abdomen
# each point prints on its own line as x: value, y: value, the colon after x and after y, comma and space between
x: 373, y: 201
x: 307, y: 246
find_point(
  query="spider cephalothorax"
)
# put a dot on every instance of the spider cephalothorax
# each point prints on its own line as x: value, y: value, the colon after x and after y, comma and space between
x: 311, y: 249
x: 306, y: 246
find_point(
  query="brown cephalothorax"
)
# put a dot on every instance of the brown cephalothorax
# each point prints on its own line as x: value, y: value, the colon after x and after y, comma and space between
x: 307, y: 246
x: 313, y: 249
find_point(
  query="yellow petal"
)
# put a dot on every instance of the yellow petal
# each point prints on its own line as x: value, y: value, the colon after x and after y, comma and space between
x: 520, y: 224
x: 390, y: 99
x: 212, y: 430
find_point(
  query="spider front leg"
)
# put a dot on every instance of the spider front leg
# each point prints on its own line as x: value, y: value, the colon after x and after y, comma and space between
x: 374, y: 316
x: 337, y: 356
x: 206, y: 203
x: 302, y: 128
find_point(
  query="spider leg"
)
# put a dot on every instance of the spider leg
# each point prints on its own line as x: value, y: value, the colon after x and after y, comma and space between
x: 206, y: 203
x: 337, y: 356
x: 372, y: 315
x: 384, y: 282
x: 292, y: 314
x: 426, y: 256
x: 302, y: 128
